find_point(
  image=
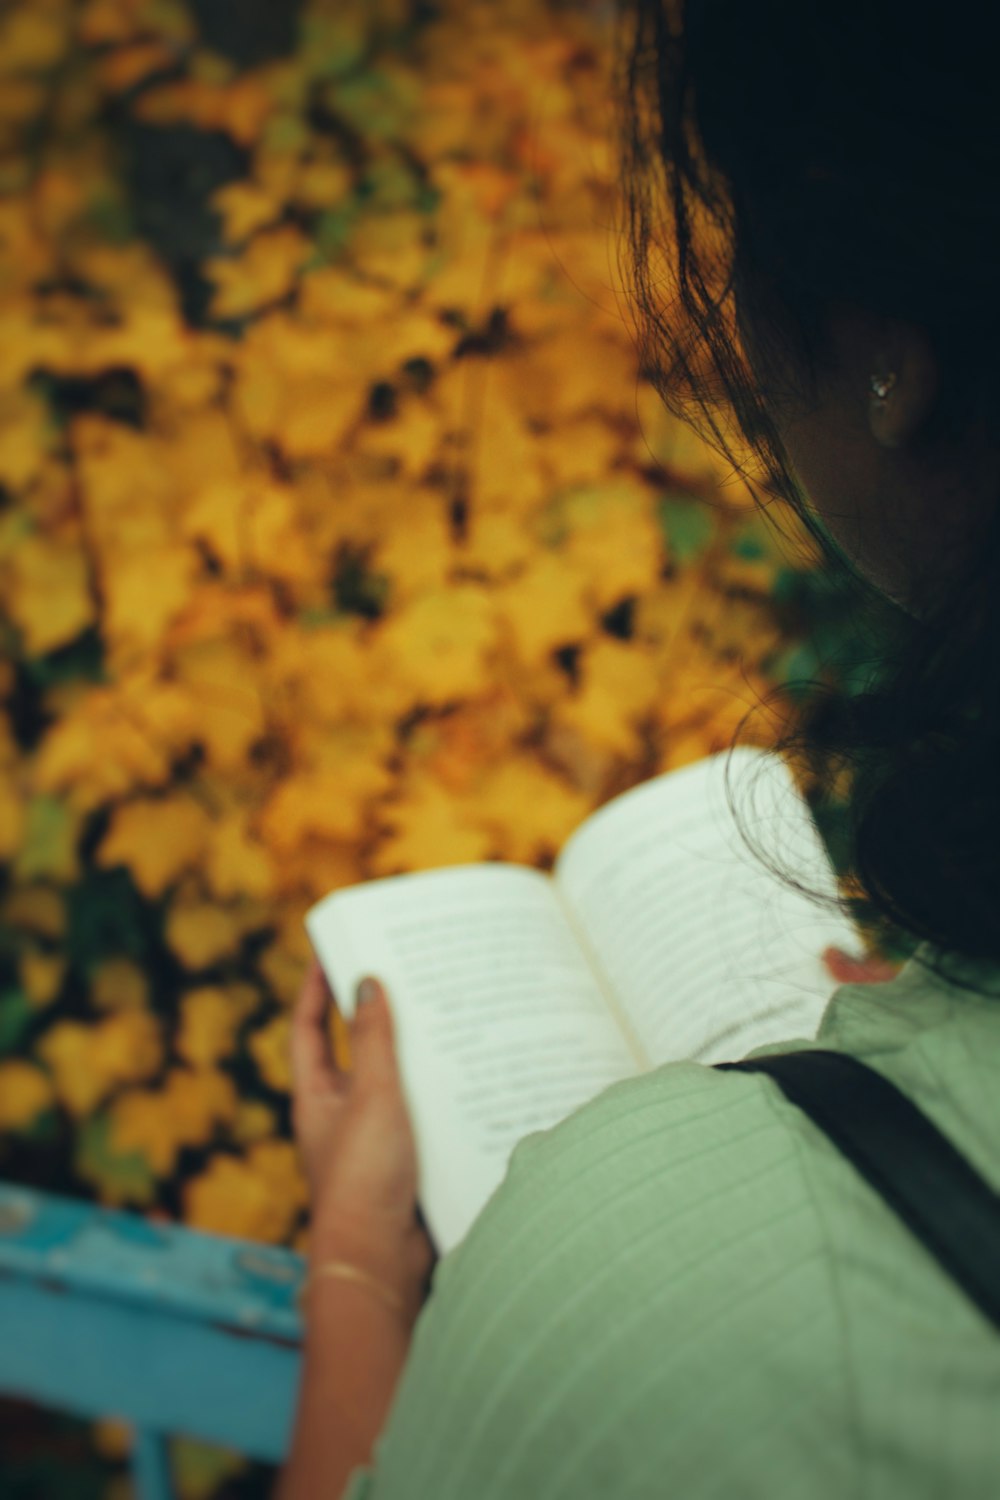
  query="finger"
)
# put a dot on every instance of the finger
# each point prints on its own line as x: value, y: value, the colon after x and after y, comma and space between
x: 313, y: 1067
x: 846, y: 969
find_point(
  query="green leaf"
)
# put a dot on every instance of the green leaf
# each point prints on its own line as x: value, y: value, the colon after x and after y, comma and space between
x: 379, y: 107
x: 43, y: 1129
x: 16, y: 1012
x: 105, y: 915
x: 111, y: 218
x: 330, y: 48
x: 392, y: 185
x: 200, y: 1468
x: 285, y: 132
x: 748, y: 546
x: 46, y: 848
x: 332, y: 231
x: 791, y: 664
x: 687, y: 525
x: 126, y: 1176
x: 82, y: 658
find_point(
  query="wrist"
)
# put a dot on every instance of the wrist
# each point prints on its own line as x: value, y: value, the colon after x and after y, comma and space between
x: 396, y: 1268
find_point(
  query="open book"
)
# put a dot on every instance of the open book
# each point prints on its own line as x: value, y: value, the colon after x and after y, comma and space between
x: 518, y: 995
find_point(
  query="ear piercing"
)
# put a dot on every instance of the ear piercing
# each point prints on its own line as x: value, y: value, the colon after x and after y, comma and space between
x: 882, y: 387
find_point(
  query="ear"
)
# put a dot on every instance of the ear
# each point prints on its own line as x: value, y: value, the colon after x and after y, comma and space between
x: 906, y: 352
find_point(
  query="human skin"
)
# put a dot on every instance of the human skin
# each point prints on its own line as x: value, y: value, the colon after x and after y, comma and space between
x: 897, y: 511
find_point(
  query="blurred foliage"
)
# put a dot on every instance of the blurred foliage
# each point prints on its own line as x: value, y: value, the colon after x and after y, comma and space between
x: 339, y: 537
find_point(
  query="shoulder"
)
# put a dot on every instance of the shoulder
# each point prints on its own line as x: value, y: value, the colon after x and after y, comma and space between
x: 657, y: 1252
x: 681, y: 1129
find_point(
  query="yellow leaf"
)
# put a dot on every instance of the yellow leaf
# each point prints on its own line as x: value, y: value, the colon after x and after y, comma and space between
x: 205, y: 450
x: 456, y: 746
x: 199, y: 1470
x: 427, y: 827
x: 113, y: 1437
x: 507, y: 462
x: 323, y: 184
x: 23, y: 436
x: 613, y: 541
x: 391, y: 247
x: 10, y: 750
x: 269, y: 1046
x: 240, y: 108
x: 704, y: 707
x: 157, y: 839
x: 315, y: 866
x: 140, y: 602
x: 299, y: 660
x: 684, y: 453
x: 220, y: 677
x: 121, y: 20
x: 35, y: 908
x: 127, y: 1046
x: 412, y: 440
x: 48, y: 594
x: 88, y: 1061
x: 197, y: 1101
x: 236, y: 862
x: 245, y: 207
x: 333, y: 295
x: 543, y: 609
x: 531, y: 811
x: 231, y: 1198
x: 49, y: 847
x: 574, y: 452
x: 620, y: 685
x: 495, y: 544
x: 587, y: 765
x: 280, y: 1163
x: 439, y: 645
x: 316, y: 414
x: 126, y: 66
x: 140, y: 1120
x: 30, y: 39
x: 200, y: 932
x: 102, y: 748
x: 254, y: 1122
x: 251, y: 525
x: 119, y: 984
x: 572, y: 372
x: 41, y: 976
x: 417, y: 555
x: 25, y: 1091
x: 329, y: 802
x: 264, y: 272
x: 210, y: 1018
x: 13, y: 818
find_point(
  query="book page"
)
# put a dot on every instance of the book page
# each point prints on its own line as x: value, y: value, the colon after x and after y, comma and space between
x: 709, y: 955
x: 501, y: 1027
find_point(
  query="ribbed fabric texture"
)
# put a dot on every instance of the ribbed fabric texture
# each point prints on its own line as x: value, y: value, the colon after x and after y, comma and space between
x: 685, y: 1289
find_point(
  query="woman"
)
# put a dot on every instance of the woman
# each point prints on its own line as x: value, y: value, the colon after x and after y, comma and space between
x: 685, y: 1288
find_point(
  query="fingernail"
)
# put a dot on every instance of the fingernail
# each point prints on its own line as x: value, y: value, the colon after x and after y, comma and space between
x: 367, y: 990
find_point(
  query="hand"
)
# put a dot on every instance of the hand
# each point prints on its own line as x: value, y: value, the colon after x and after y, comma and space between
x: 847, y: 970
x: 354, y: 1132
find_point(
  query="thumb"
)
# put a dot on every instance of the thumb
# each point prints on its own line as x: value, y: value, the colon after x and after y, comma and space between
x: 373, y: 1039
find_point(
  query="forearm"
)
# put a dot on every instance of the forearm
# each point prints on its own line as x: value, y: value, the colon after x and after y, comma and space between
x: 355, y: 1351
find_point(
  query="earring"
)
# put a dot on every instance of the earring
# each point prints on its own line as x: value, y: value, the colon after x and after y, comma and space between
x: 881, y: 388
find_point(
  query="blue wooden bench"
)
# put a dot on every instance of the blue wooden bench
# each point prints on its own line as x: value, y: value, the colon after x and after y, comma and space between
x: 106, y: 1314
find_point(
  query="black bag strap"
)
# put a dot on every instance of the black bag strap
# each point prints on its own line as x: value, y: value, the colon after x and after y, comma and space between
x: 904, y: 1156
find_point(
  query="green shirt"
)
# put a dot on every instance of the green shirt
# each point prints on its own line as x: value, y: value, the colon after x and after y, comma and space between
x: 686, y: 1290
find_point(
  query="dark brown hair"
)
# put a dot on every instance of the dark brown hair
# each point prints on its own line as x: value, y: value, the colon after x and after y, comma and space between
x: 780, y: 161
